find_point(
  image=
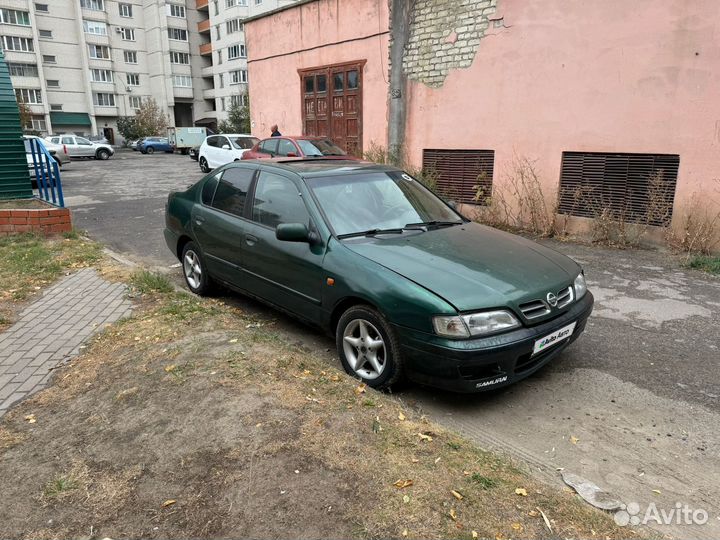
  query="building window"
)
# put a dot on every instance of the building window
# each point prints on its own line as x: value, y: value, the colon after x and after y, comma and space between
x: 28, y: 95
x: 258, y: 2
x: 23, y: 70
x: 99, y: 51
x: 634, y: 188
x: 179, y: 57
x: 464, y: 176
x: 49, y: 59
x: 101, y: 75
x: 238, y: 76
x: 45, y: 34
x: 12, y: 16
x: 130, y: 57
x: 56, y: 106
x: 14, y: 43
x: 175, y: 10
x: 135, y: 102
x: 178, y: 34
x: 132, y: 79
x: 125, y: 10
x: 52, y: 83
x: 36, y: 123
x: 232, y: 3
x: 42, y: 8
x: 219, y: 56
x: 217, y: 32
x: 222, y: 104
x: 182, y: 81
x: 95, y: 5
x: 95, y: 27
x: 235, y: 25
x: 127, y: 34
x: 236, y: 51
x: 241, y: 99
x: 101, y: 99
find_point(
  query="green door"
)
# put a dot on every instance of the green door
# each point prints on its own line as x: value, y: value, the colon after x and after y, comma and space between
x: 289, y: 274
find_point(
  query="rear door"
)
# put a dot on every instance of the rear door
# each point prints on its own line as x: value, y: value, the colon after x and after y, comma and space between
x: 287, y: 274
x: 219, y: 223
x: 73, y: 149
x: 210, y: 150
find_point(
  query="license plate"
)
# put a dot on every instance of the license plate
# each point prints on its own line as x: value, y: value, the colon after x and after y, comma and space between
x: 552, y: 339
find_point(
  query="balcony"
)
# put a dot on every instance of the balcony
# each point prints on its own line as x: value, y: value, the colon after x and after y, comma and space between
x: 209, y: 93
x: 206, y: 49
x: 207, y: 72
x: 201, y: 4
x: 204, y: 26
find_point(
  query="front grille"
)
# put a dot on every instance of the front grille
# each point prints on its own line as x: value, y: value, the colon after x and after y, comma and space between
x: 540, y: 308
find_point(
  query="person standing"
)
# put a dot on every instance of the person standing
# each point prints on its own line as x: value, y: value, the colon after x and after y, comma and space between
x: 275, y: 132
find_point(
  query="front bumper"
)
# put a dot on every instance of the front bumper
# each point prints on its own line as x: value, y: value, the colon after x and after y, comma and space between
x: 475, y: 365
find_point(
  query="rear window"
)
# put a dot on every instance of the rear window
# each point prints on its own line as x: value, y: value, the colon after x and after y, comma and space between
x: 208, y: 189
x: 232, y: 190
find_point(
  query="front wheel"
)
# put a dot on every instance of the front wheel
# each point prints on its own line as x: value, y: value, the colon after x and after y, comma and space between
x: 150, y: 150
x: 368, y: 347
x: 194, y: 271
x: 103, y: 154
x: 204, y: 165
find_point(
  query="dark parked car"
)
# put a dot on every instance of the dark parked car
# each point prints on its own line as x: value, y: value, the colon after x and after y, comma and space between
x: 296, y: 147
x: 406, y: 284
x: 194, y: 152
x: 150, y: 145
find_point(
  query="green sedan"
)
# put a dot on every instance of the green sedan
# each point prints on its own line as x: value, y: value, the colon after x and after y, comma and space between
x: 406, y: 285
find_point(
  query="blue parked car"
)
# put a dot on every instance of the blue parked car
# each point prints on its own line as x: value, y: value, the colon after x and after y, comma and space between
x: 151, y: 144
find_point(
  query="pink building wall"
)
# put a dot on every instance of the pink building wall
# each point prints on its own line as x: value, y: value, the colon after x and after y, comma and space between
x: 550, y: 76
x: 312, y: 35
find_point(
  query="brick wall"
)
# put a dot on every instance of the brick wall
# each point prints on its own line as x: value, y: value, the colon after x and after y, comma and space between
x: 445, y: 35
x: 45, y: 221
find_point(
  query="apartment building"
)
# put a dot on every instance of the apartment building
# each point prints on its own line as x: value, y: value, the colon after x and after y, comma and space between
x: 81, y: 64
x: 221, y: 63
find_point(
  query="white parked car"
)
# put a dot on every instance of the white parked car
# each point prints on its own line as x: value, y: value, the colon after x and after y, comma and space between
x: 82, y: 147
x: 217, y: 150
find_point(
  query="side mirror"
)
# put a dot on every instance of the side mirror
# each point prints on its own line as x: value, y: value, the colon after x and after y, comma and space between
x: 291, y: 154
x: 292, y: 232
x: 226, y: 147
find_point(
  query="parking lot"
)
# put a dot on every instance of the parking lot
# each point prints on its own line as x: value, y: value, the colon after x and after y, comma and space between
x: 633, y: 405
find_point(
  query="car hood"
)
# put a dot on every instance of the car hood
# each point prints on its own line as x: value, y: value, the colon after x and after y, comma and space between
x: 472, y: 266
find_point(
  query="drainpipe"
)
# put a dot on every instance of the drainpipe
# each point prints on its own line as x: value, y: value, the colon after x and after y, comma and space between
x: 400, y: 11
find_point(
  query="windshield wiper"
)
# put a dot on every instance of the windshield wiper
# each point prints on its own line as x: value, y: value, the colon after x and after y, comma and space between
x: 434, y: 223
x: 371, y: 232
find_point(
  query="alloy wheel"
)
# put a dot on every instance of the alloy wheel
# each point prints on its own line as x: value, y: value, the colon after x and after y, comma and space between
x: 364, y: 349
x: 192, y: 269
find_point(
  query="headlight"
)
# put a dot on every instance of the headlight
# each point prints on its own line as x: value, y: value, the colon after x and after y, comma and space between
x: 580, y: 286
x: 475, y: 324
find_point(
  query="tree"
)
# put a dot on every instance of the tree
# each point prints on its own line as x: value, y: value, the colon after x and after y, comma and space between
x: 25, y: 116
x: 128, y: 128
x: 238, y: 119
x: 149, y: 119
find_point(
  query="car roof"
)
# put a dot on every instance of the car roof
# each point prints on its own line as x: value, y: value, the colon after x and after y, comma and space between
x: 233, y: 135
x: 318, y: 167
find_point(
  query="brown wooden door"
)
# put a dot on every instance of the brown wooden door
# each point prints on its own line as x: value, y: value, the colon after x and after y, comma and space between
x: 332, y: 104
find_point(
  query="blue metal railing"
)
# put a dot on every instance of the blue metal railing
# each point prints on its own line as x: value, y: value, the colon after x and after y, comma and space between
x: 47, y: 173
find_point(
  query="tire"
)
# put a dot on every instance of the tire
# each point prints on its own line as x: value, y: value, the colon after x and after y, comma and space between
x: 102, y: 154
x: 194, y: 270
x: 379, y: 365
x: 204, y: 165
x: 149, y: 150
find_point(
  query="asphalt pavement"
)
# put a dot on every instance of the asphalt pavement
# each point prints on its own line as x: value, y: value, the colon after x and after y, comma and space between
x: 633, y: 405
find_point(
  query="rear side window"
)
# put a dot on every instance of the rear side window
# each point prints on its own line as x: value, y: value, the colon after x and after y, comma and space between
x: 211, y: 141
x: 232, y: 190
x: 286, y: 147
x: 269, y: 146
x: 208, y: 189
x: 277, y: 201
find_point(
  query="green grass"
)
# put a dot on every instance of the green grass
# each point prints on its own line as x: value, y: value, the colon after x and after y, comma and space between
x: 705, y: 263
x: 59, y: 485
x: 150, y: 282
x: 484, y: 482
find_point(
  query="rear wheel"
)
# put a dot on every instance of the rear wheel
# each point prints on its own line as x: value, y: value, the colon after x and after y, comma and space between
x: 149, y: 150
x: 368, y: 347
x: 194, y: 271
x: 204, y: 165
x: 102, y: 154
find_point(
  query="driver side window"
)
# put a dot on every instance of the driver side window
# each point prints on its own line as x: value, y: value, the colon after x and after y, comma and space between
x: 277, y: 201
x: 286, y: 147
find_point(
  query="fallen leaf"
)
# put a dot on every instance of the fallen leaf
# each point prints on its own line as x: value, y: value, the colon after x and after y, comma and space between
x: 402, y: 484
x: 233, y: 341
x: 546, y: 520
x: 657, y: 491
x: 457, y: 495
x: 533, y: 513
x: 453, y: 514
x: 360, y: 389
x: 169, y: 502
x: 405, y: 532
x: 499, y: 536
x: 406, y: 499
x: 474, y: 534
x: 415, y: 460
x: 516, y: 526
x: 424, y: 437
x: 334, y: 378
x: 170, y: 368
x: 521, y: 491
x: 574, y: 439
x: 466, y: 473
x: 401, y: 416
x: 437, y: 460
x: 30, y: 418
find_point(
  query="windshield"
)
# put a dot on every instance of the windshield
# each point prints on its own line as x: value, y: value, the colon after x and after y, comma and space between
x: 244, y: 143
x: 379, y: 200
x: 319, y: 147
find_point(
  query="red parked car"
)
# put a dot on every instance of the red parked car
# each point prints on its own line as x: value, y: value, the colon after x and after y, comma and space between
x: 305, y: 146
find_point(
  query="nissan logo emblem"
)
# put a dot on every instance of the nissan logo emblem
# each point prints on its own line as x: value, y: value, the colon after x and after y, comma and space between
x: 552, y: 299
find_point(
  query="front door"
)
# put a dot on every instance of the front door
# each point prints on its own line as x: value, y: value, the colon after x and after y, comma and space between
x: 288, y: 274
x: 109, y: 134
x: 84, y: 147
x: 332, y: 104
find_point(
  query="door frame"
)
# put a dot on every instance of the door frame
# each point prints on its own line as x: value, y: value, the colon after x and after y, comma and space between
x: 328, y: 70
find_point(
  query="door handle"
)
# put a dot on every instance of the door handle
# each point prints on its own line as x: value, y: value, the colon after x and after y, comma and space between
x: 250, y: 240
x: 199, y: 221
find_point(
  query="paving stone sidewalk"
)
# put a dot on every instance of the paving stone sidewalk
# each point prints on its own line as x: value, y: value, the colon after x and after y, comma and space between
x: 53, y: 328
